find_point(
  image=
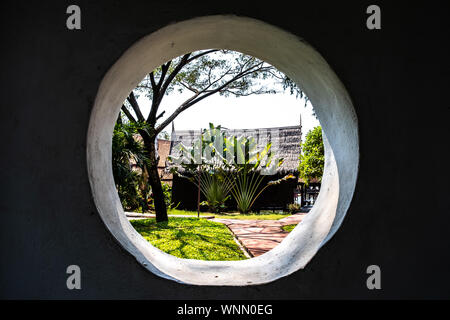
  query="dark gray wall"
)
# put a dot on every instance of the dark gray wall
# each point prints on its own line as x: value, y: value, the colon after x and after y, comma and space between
x: 398, y: 80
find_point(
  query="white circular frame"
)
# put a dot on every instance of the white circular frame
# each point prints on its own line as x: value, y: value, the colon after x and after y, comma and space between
x: 287, y: 53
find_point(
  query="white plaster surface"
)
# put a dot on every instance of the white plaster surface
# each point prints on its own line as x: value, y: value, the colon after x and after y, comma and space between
x: 290, y: 55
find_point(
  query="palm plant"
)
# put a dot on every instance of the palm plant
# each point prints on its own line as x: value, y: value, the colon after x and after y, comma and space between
x: 216, y: 188
x: 251, y: 165
x: 205, y: 163
x: 127, y: 156
x: 225, y: 165
x: 246, y: 187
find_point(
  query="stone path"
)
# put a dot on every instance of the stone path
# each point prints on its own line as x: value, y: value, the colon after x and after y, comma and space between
x: 260, y: 236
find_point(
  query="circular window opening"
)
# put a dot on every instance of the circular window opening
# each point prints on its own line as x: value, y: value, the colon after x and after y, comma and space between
x: 299, y: 62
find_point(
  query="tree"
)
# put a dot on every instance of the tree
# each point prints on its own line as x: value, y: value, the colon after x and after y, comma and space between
x: 202, y: 73
x: 312, y: 158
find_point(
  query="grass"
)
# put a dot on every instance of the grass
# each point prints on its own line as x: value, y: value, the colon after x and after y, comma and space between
x: 191, y: 238
x: 250, y: 216
x: 289, y: 227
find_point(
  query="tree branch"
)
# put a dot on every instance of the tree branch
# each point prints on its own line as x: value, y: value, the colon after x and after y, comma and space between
x: 152, y: 80
x: 134, y: 104
x: 202, y: 54
x: 155, y: 105
x: 180, y: 109
x: 188, y: 87
x: 196, y: 98
x: 164, y: 69
x: 238, y: 94
x: 160, y: 115
x: 218, y: 79
x: 128, y: 114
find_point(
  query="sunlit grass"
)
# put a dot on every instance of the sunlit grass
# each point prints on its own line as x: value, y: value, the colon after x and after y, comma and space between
x: 250, y: 216
x: 191, y: 238
x: 288, y: 227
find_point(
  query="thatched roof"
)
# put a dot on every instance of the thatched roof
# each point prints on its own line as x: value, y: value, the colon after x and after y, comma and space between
x: 285, y: 141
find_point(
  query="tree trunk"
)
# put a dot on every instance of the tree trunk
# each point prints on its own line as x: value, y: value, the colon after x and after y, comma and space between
x: 158, y: 194
x: 198, y: 196
x: 153, y: 178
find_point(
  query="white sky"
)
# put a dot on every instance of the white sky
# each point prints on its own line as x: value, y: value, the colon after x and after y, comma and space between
x: 255, y: 111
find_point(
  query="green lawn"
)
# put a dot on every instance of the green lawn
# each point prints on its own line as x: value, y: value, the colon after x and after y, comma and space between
x: 289, y: 227
x: 191, y: 238
x: 250, y: 216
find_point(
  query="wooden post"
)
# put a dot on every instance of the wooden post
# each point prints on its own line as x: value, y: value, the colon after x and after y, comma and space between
x: 198, y: 170
x: 198, y: 196
x: 302, y: 195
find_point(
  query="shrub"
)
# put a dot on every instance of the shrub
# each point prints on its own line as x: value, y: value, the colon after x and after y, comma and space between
x: 167, y: 190
x: 125, y: 151
x: 293, y: 207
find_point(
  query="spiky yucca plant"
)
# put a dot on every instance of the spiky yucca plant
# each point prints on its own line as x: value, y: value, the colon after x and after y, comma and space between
x: 252, y: 165
x: 210, y: 171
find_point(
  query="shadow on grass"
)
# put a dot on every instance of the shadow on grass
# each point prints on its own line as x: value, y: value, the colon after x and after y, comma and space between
x: 191, y: 238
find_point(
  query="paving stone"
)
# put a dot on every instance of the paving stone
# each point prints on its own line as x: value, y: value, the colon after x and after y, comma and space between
x: 260, y: 236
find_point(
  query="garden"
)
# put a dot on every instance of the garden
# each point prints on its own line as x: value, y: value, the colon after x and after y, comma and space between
x: 221, y: 182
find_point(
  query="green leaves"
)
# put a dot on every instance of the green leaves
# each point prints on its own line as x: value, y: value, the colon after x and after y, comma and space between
x: 228, y: 72
x: 312, y: 158
x: 128, y: 163
x: 216, y: 187
x: 246, y: 188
